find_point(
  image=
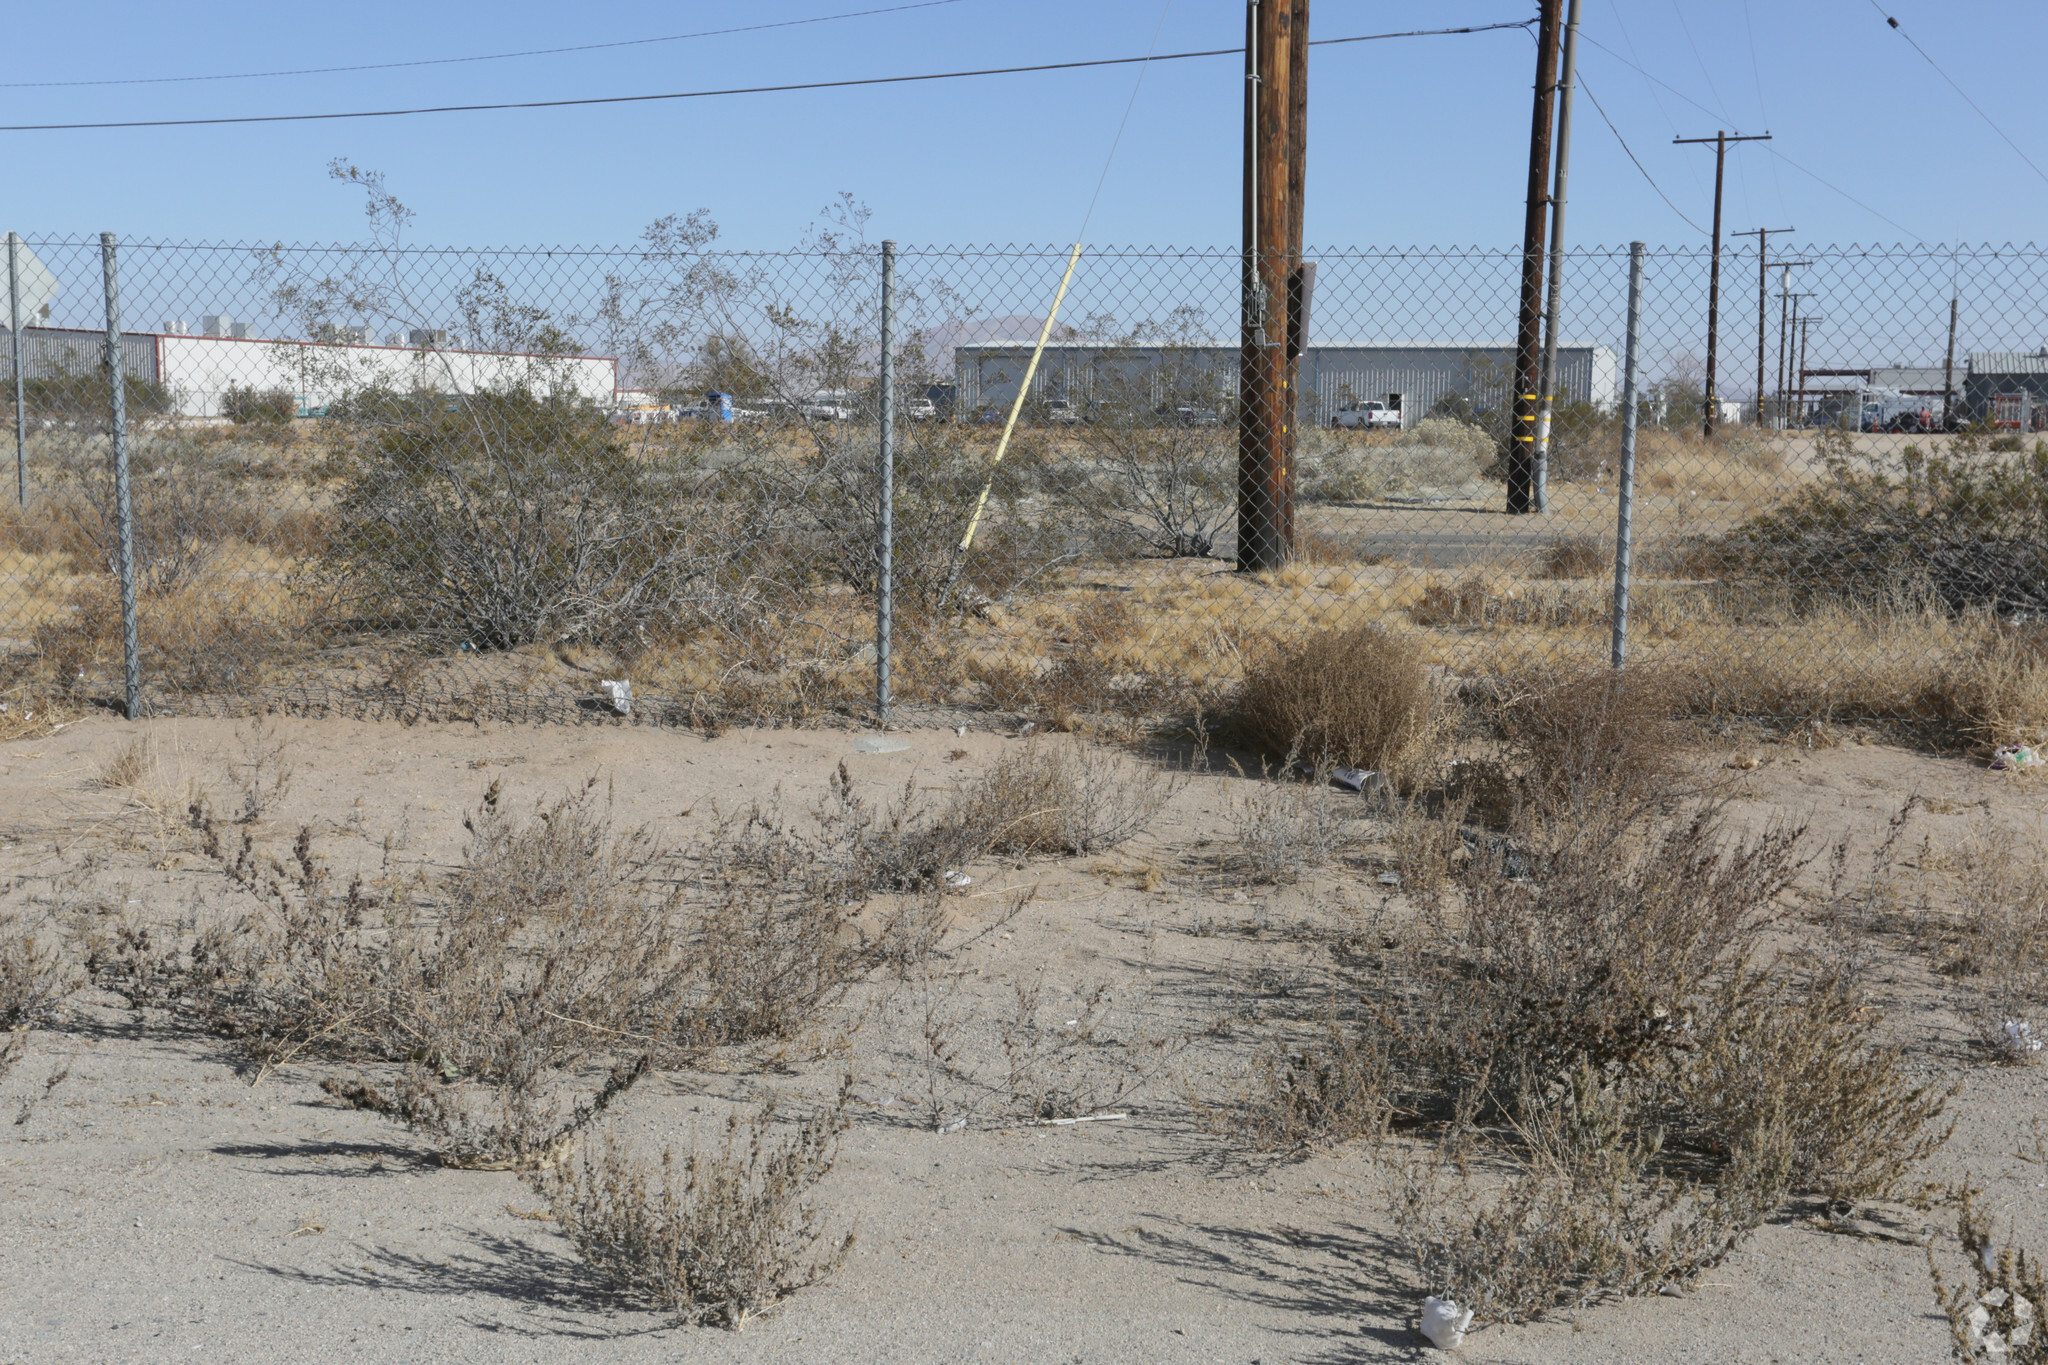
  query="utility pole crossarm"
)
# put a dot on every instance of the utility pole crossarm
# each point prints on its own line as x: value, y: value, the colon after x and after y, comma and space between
x: 1719, y: 142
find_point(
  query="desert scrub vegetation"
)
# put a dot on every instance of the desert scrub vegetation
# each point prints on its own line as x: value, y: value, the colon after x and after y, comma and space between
x: 562, y: 956
x: 1438, y: 456
x: 1357, y: 696
x: 1994, y: 1311
x: 1963, y: 523
x: 720, y: 1236
x: 512, y: 520
x: 1599, y: 1079
x: 35, y: 978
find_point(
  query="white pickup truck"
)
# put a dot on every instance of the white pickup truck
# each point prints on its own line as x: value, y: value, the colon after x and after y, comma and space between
x: 1366, y: 413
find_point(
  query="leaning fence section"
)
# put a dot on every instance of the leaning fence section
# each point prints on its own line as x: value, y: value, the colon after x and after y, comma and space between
x: 505, y: 481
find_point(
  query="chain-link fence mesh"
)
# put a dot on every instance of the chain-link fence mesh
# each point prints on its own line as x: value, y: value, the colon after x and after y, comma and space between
x: 454, y: 481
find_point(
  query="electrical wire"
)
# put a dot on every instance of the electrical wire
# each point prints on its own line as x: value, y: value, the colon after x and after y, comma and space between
x: 487, y: 57
x: 1580, y: 77
x: 737, y: 90
x: 1959, y: 90
x: 1646, y: 74
x: 1772, y: 149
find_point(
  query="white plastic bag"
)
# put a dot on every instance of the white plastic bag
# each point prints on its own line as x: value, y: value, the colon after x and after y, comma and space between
x: 1444, y: 1323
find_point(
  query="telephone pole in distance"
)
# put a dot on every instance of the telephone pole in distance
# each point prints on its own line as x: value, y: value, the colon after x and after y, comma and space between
x: 1719, y: 141
x: 1763, y: 303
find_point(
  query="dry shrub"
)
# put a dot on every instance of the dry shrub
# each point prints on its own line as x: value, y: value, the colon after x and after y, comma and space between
x: 1286, y: 826
x: 728, y: 1236
x: 1571, y: 945
x: 1575, y: 557
x: 1995, y: 1314
x: 1583, y: 1213
x: 1800, y: 1058
x: 1060, y: 797
x: 1999, y: 691
x: 1437, y: 457
x: 1996, y: 936
x: 1359, y: 696
x: 127, y: 767
x: 1588, y: 737
x: 34, y: 980
x: 1333, y: 1089
x: 558, y: 946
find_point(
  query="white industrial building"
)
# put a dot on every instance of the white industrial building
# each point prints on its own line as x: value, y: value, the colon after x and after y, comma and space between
x: 195, y: 373
x: 987, y: 375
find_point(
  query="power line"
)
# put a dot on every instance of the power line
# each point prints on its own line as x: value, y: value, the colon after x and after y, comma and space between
x: 1631, y: 152
x: 1918, y: 237
x: 1959, y: 90
x: 737, y: 90
x: 1645, y: 73
x: 487, y: 57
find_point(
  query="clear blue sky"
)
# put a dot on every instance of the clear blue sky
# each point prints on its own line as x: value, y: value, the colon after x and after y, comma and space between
x: 1413, y: 142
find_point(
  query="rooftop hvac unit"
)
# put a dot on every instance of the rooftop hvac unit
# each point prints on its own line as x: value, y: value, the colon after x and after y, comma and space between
x: 177, y: 327
x: 217, y: 325
x: 334, y: 335
x: 428, y: 338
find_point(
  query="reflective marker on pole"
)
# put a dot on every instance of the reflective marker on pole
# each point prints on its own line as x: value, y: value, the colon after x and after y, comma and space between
x: 1625, y: 501
x: 885, y: 512
x: 124, y: 511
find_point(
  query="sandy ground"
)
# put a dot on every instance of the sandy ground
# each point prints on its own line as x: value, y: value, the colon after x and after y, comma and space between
x: 157, y: 1207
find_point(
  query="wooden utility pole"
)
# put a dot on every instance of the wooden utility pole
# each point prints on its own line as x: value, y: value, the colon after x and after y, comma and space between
x: 1529, y: 329
x: 1720, y: 141
x: 1301, y: 276
x: 1553, y: 310
x: 1763, y: 304
x: 1948, y: 372
x: 1265, y: 399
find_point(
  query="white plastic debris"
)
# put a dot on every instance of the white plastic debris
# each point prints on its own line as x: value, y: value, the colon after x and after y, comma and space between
x: 620, y: 690
x: 879, y: 744
x: 2016, y: 758
x: 955, y: 1126
x: 1444, y: 1323
x: 2017, y: 1037
x: 1390, y: 879
x: 956, y: 880
x: 1990, y: 1344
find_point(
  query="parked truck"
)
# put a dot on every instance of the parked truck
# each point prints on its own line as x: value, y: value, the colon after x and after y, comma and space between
x: 1366, y: 413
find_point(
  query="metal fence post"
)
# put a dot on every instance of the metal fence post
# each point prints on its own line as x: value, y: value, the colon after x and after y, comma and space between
x: 885, y: 511
x: 14, y: 341
x: 124, y: 511
x: 1624, y: 506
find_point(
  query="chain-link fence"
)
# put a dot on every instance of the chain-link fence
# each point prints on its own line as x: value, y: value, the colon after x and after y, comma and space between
x: 495, y: 481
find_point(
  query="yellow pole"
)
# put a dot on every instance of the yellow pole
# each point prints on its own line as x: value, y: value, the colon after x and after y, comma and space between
x: 1017, y: 405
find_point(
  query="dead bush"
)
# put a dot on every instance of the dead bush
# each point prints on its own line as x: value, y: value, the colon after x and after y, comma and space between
x: 1589, y: 740
x: 1575, y: 557
x: 1583, y: 1212
x: 1335, y: 1088
x: 728, y: 1236
x: 1801, y: 1057
x: 1059, y: 796
x: 1286, y: 826
x: 1995, y: 1313
x: 1358, y: 696
x: 559, y: 946
x: 34, y: 980
x: 1993, y: 936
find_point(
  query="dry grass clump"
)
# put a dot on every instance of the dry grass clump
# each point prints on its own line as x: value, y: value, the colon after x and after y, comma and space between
x: 1576, y: 557
x: 1995, y: 1314
x: 725, y: 1237
x: 1582, y: 737
x: 1060, y: 796
x: 1358, y: 696
x: 1286, y: 826
x: 1583, y: 1211
x: 1437, y: 457
x: 560, y: 950
x: 34, y: 980
x: 1993, y: 935
x: 1623, y: 1089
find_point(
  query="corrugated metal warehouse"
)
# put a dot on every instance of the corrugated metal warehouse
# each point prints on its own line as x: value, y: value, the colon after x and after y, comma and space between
x: 195, y: 372
x: 988, y: 373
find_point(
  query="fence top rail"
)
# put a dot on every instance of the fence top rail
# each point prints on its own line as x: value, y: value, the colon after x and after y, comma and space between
x: 644, y: 252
